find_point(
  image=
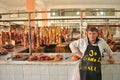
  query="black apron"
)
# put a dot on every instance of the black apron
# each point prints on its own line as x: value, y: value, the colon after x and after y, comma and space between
x: 90, y: 68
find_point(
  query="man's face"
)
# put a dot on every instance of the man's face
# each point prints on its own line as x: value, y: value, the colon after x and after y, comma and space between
x: 92, y: 35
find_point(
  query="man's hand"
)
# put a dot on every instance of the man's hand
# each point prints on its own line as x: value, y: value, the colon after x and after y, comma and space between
x: 80, y: 54
x: 111, y: 60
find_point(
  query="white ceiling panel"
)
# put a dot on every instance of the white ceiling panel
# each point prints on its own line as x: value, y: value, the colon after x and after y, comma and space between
x: 48, y: 3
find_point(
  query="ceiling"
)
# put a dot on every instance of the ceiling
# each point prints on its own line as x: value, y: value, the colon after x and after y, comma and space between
x: 48, y: 3
x: 13, y: 3
x: 80, y: 2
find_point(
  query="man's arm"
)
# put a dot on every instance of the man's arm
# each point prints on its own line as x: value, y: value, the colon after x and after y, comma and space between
x: 109, y: 52
x: 74, y: 49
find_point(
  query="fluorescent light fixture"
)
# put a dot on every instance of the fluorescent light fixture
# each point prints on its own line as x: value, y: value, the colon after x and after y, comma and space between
x: 101, y: 13
x: 78, y: 13
x: 53, y: 13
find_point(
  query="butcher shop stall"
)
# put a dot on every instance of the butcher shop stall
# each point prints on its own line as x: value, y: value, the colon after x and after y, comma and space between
x: 29, y: 51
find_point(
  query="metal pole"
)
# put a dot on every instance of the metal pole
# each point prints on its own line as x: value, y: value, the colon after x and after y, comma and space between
x: 81, y: 19
x: 29, y: 34
x: 57, y: 11
x: 58, y: 19
x: 10, y: 33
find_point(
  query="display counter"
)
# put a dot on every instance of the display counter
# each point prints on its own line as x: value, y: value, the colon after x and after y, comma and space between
x: 38, y: 70
x: 65, y: 69
x: 111, y: 71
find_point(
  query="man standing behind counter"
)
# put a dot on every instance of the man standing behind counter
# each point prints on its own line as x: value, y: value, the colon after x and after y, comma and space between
x: 91, y: 49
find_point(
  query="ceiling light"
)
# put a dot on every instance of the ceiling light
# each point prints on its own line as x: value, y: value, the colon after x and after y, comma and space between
x: 53, y: 13
x: 101, y: 13
x: 78, y: 13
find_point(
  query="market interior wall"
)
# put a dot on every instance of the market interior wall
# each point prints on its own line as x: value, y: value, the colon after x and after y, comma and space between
x: 5, y: 8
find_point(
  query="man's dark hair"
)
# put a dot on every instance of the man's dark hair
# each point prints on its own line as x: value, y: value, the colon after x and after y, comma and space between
x: 92, y: 29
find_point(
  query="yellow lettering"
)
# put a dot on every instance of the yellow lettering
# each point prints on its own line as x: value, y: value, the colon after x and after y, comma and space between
x: 92, y: 53
x: 99, y: 60
x: 89, y: 59
x: 95, y: 53
x: 94, y: 68
x: 92, y: 59
x: 89, y: 68
x: 95, y: 60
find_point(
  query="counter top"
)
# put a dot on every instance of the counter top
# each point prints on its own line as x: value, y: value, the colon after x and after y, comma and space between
x: 39, y: 62
x: 64, y: 61
x: 3, y: 58
x: 17, y: 49
x: 116, y: 56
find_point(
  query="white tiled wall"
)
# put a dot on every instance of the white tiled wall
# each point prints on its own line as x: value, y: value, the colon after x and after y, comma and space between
x: 111, y: 71
x: 51, y: 72
x: 36, y: 72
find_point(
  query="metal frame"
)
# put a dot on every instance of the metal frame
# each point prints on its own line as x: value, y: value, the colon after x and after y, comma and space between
x: 29, y: 20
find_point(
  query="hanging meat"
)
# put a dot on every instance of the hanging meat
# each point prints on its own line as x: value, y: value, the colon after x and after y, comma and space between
x: 41, y: 36
x: 1, y: 39
x: 33, y: 38
x: 50, y: 35
x: 101, y: 33
x: 37, y: 32
x: 47, y: 36
x: 53, y: 34
x: 58, y: 35
x: 25, y: 38
x: 6, y: 37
